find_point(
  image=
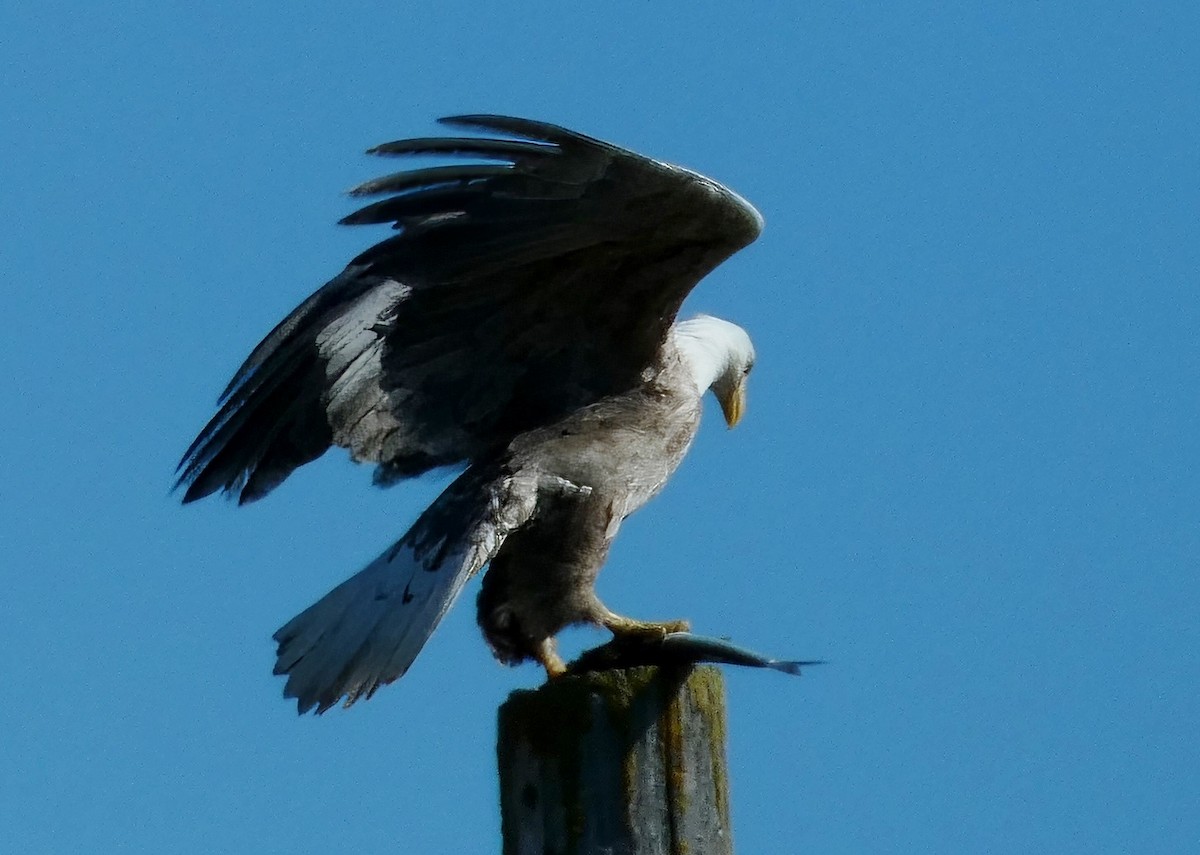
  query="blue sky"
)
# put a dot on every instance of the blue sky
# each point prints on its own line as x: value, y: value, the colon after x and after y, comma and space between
x: 968, y: 475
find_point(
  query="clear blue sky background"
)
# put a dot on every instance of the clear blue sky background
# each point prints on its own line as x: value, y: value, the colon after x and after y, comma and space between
x: 968, y: 477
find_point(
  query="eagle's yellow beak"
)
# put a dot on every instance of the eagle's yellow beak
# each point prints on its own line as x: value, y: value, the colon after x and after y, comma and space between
x: 733, y: 404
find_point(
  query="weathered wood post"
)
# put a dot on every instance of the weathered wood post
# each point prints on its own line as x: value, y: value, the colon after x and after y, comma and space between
x: 623, y: 762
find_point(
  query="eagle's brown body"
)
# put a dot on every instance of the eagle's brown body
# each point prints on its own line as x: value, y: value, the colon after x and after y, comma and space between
x: 596, y: 467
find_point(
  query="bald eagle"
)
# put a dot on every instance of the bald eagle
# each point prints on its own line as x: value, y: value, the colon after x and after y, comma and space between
x: 521, y: 321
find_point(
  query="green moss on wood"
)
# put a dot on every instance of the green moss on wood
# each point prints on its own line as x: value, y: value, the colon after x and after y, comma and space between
x: 554, y: 720
x: 708, y: 693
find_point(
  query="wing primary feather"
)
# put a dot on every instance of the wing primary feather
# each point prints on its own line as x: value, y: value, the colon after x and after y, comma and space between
x: 413, y: 179
x: 396, y: 209
x: 469, y: 146
x: 528, y: 128
x: 200, y: 468
x: 261, y: 394
x: 346, y: 286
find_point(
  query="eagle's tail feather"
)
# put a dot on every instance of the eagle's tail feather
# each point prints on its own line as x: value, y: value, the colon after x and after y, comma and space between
x: 367, y: 631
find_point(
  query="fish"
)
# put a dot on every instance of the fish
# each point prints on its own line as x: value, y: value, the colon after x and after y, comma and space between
x: 680, y: 648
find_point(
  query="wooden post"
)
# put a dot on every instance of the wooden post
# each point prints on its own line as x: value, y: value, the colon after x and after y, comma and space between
x: 623, y: 762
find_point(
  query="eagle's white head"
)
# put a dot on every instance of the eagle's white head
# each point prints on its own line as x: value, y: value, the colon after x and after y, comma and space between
x: 720, y: 357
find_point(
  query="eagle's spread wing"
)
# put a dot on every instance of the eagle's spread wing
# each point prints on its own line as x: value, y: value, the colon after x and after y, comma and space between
x: 366, y: 632
x: 515, y: 291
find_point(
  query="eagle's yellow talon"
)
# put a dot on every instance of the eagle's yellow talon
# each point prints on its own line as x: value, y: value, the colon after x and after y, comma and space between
x: 623, y: 627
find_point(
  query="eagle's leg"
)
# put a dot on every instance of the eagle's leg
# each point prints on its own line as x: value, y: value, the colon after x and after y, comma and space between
x: 635, y: 630
x: 546, y: 653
